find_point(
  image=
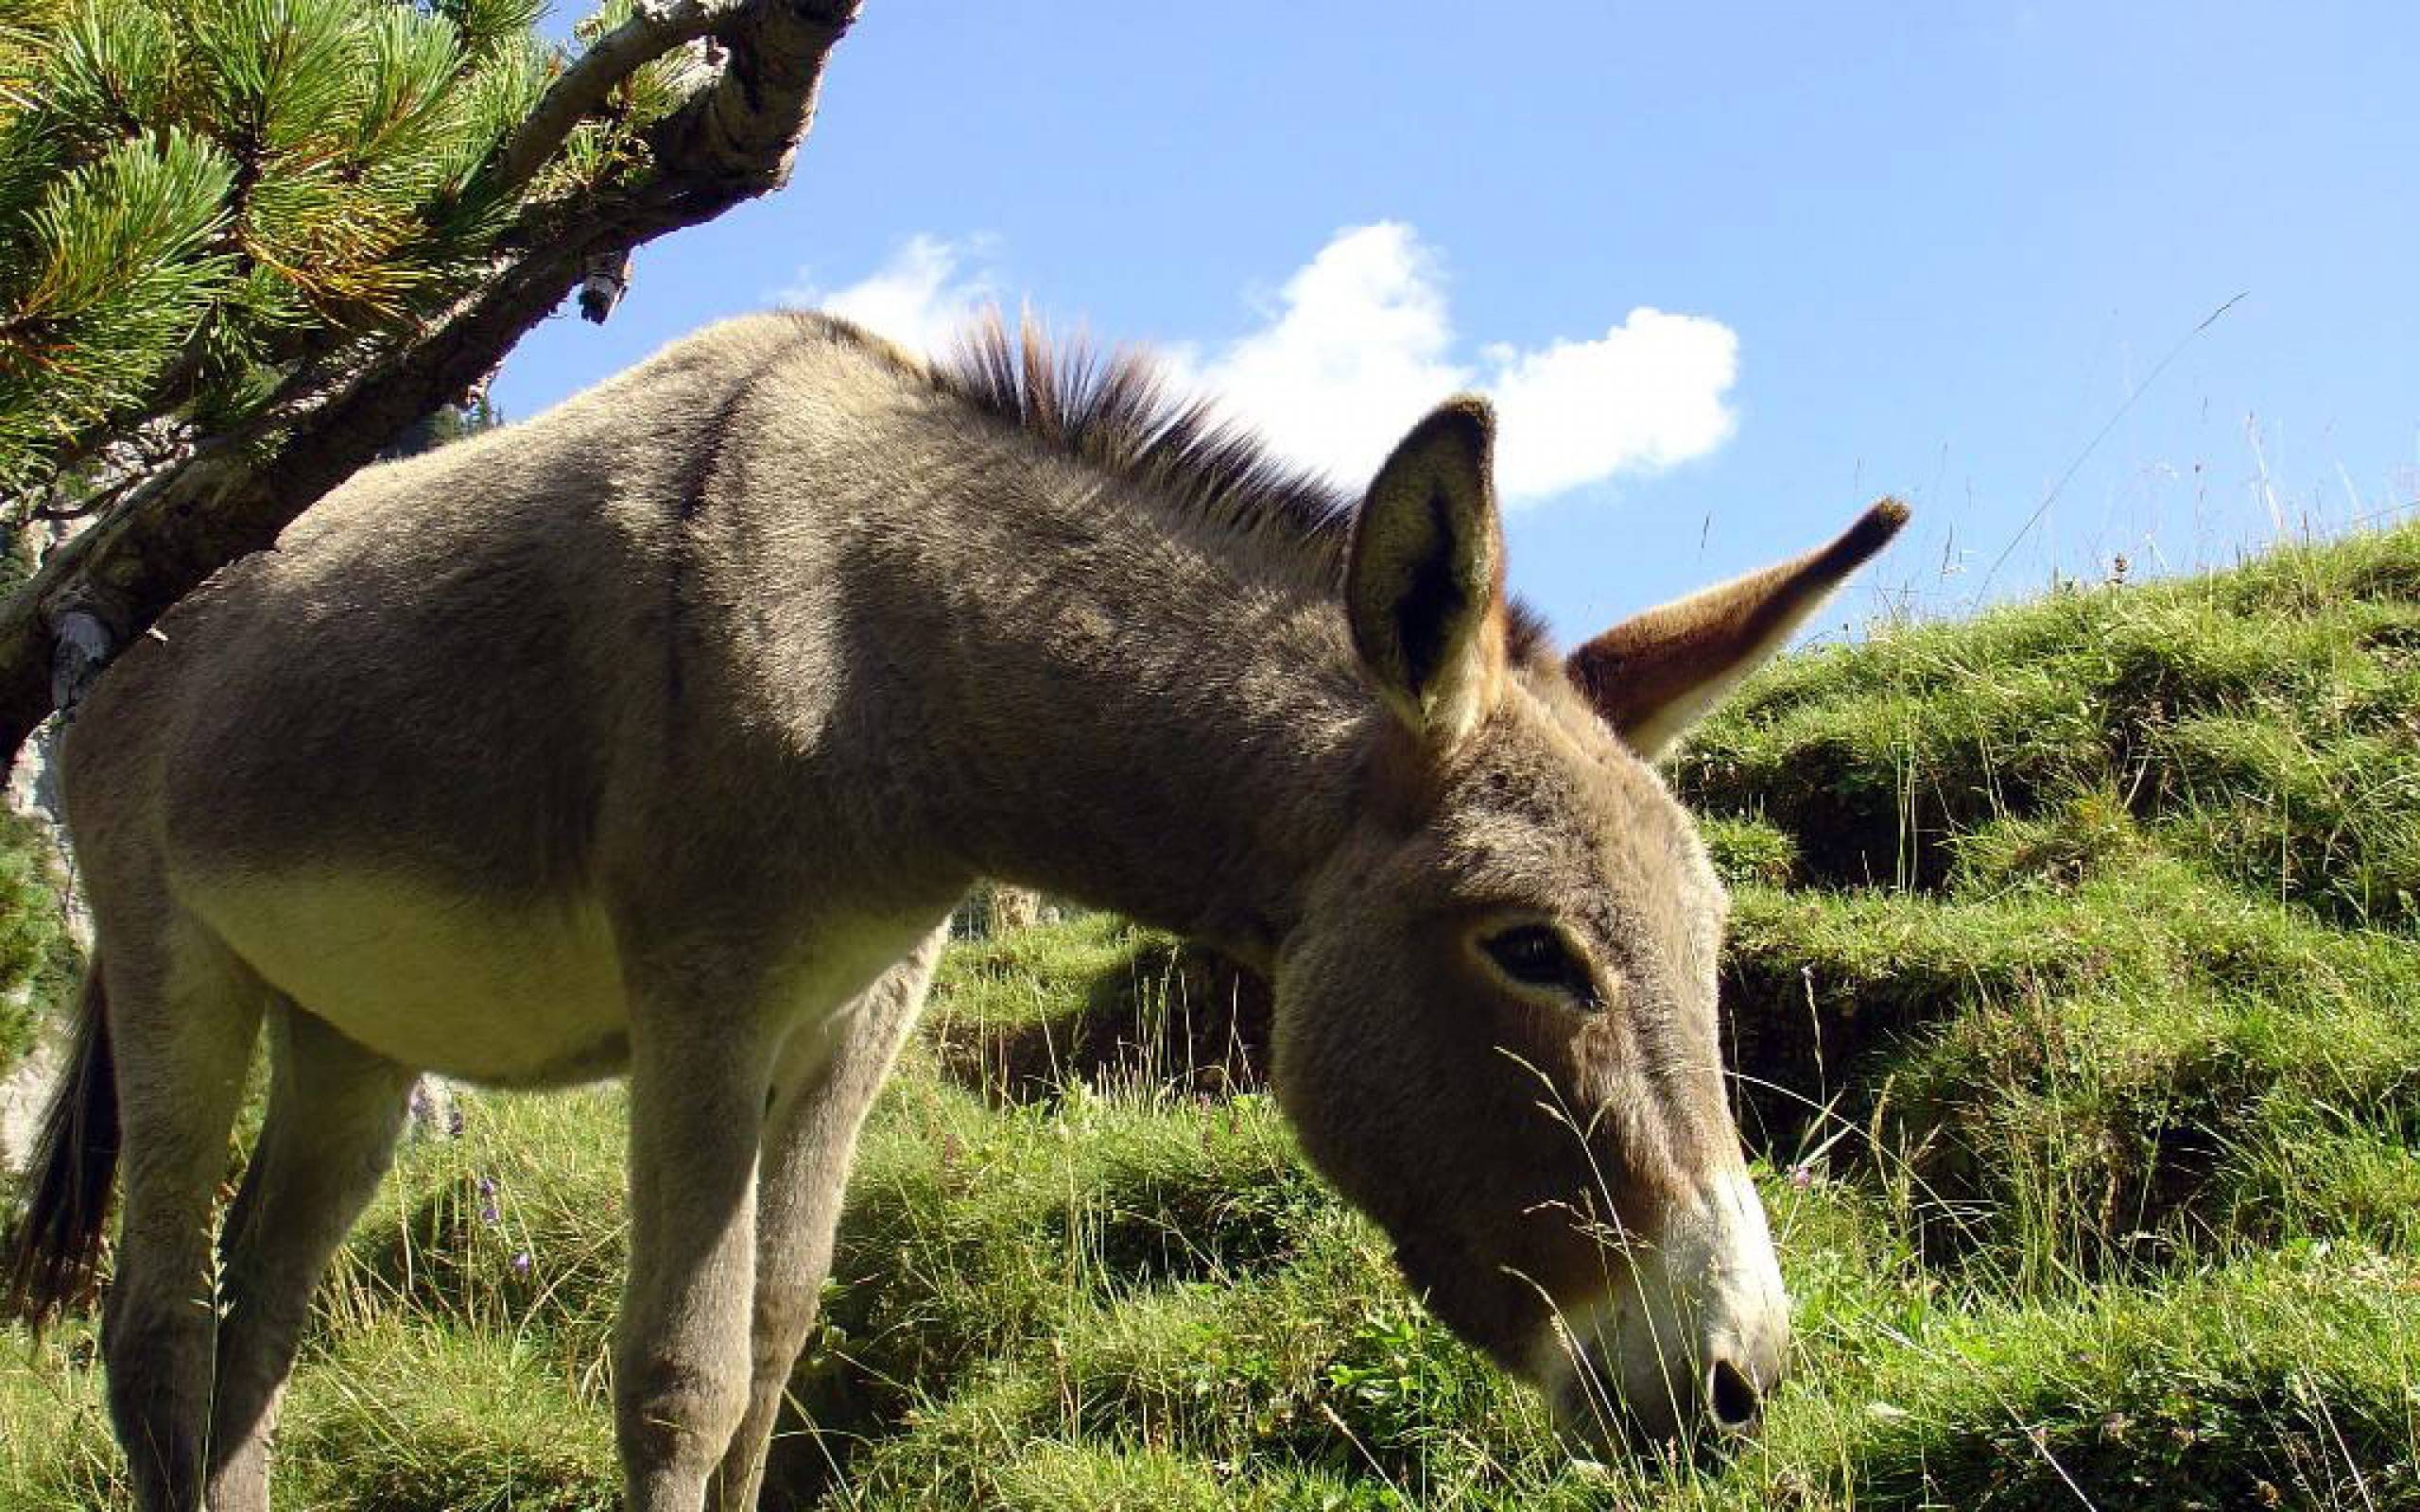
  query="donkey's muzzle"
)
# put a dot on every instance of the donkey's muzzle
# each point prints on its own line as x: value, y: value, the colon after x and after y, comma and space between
x: 1690, y: 1342
x: 1704, y: 1420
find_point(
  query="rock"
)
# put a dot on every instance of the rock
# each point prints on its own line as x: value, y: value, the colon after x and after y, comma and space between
x: 435, y: 1112
x: 24, y: 1096
x: 1012, y: 908
x: 25, y: 1087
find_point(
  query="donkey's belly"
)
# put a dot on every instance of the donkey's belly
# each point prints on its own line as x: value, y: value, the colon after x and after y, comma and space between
x: 467, y: 985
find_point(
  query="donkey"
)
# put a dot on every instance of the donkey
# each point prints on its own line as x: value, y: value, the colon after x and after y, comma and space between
x: 659, y: 735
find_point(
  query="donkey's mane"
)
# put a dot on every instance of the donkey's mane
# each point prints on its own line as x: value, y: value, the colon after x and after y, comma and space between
x: 1120, y: 414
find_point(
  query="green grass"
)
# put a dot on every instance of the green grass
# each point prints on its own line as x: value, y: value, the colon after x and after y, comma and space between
x: 2074, y: 991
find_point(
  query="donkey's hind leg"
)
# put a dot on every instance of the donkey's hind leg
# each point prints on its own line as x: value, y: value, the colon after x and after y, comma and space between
x: 184, y: 1012
x: 826, y: 1081
x: 333, y: 1110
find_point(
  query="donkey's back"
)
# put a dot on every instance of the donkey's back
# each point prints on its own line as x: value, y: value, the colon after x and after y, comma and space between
x: 402, y: 765
x: 498, y: 765
x: 451, y: 612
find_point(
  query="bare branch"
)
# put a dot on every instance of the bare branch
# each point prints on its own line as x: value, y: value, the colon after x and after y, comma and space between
x: 655, y: 27
x: 746, y: 128
x: 602, y: 282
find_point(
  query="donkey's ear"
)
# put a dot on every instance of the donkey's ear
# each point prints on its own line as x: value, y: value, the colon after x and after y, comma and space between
x: 1423, y: 589
x: 1655, y: 676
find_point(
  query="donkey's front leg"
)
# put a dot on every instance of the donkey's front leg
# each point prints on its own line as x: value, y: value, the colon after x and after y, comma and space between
x: 826, y: 1082
x: 698, y: 1075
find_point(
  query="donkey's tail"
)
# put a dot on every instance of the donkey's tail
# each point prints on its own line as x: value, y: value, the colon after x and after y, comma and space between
x: 50, y: 1258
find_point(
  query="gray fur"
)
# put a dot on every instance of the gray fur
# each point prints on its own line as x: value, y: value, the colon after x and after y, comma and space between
x: 659, y: 733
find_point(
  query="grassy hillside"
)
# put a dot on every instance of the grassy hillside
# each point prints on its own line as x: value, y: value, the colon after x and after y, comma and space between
x: 2075, y: 990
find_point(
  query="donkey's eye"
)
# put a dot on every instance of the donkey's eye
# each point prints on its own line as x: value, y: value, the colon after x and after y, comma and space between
x: 1535, y: 956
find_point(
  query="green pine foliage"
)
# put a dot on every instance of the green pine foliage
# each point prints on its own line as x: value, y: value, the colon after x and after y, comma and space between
x: 194, y: 194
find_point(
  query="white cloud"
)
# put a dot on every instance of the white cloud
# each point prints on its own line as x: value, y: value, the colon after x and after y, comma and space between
x: 1359, y: 342
x: 1647, y: 394
x: 918, y: 297
x: 1355, y: 351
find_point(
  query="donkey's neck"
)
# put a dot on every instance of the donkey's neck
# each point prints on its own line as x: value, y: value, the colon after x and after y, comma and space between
x: 1130, y: 707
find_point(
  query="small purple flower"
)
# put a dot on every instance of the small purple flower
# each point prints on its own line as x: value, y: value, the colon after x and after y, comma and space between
x: 489, y: 1214
x: 487, y: 1187
x: 1802, y: 1177
x: 454, y: 1122
x: 521, y: 1263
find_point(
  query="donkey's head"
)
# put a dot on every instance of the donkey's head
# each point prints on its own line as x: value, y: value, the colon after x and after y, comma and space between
x: 1495, y: 1021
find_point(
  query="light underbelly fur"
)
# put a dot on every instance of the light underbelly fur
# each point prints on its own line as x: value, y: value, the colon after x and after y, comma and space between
x: 472, y: 986
x: 485, y: 989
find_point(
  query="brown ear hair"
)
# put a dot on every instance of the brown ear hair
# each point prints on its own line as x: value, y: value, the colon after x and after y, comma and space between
x: 1423, y: 583
x: 1655, y: 675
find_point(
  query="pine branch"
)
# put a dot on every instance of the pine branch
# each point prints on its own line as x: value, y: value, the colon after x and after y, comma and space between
x: 733, y: 140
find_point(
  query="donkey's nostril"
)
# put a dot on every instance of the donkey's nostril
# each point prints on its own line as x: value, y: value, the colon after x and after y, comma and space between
x: 1734, y: 1397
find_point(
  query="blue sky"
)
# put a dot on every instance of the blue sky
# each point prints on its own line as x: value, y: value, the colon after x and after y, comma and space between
x: 1731, y: 271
